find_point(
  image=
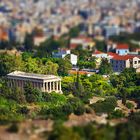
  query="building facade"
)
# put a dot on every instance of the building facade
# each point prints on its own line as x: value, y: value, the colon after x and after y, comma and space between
x: 122, y: 49
x: 45, y: 83
x: 119, y: 63
x: 63, y: 53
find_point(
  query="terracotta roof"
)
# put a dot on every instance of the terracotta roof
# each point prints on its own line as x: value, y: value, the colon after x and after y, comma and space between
x: 73, y: 46
x: 80, y: 72
x: 63, y: 49
x: 56, y: 37
x: 84, y: 38
x: 122, y: 46
x: 98, y: 52
x: 112, y: 54
x: 125, y: 57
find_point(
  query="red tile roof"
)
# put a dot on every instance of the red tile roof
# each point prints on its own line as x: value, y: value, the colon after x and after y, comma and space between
x: 80, y: 72
x: 122, y: 46
x: 123, y: 57
x: 112, y: 54
x: 73, y: 46
x: 84, y: 38
x: 98, y: 52
x: 63, y: 49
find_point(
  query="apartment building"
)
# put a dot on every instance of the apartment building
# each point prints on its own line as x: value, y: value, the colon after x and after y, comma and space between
x: 119, y: 63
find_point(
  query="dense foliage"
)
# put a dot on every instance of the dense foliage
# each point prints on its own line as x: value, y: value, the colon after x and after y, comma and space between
x: 106, y: 106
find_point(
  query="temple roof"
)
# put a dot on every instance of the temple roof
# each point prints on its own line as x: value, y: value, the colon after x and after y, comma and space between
x: 21, y: 74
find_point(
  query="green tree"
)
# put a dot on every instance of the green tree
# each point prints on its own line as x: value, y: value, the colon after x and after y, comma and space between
x: 63, y: 133
x: 32, y: 94
x: 105, y: 67
x: 31, y: 66
x: 124, y: 95
x: 50, y: 68
x: 67, y: 84
x: 17, y: 95
x: 77, y: 105
x: 5, y: 45
x: 9, y: 63
x: 82, y: 54
x: 116, y: 114
x: 106, y: 106
x: 29, y: 42
x: 74, y: 32
x: 67, y: 109
x: 26, y: 56
x: 100, y: 45
x: 64, y: 67
x: 46, y: 48
x: 78, y: 88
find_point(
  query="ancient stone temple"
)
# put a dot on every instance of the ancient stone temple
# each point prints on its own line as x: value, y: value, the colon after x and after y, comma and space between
x: 46, y: 83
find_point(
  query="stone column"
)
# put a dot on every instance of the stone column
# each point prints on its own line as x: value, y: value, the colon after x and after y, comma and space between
x: 8, y: 82
x: 15, y: 82
x: 39, y: 86
x: 21, y: 84
x: 43, y: 87
x: 46, y: 86
x: 12, y: 81
x: 34, y: 85
x: 60, y: 86
x: 53, y: 86
x: 18, y: 83
x: 57, y: 86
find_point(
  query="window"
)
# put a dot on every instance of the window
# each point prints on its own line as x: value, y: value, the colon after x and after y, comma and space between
x: 135, y: 62
x: 139, y: 61
x: 118, y: 52
x: 112, y: 62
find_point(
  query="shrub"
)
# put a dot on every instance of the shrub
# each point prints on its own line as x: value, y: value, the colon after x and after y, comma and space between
x: 88, y: 110
x: 13, y: 128
x: 32, y: 95
x: 79, y: 110
x: 116, y: 114
x: 24, y: 110
x: 67, y: 109
x: 129, y: 105
x: 9, y: 111
x: 77, y: 105
x: 106, y: 106
x: 112, y: 100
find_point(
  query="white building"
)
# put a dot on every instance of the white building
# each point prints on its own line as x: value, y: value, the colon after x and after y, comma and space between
x: 122, y: 49
x: 99, y: 54
x: 73, y: 59
x: 45, y: 83
x: 63, y: 53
